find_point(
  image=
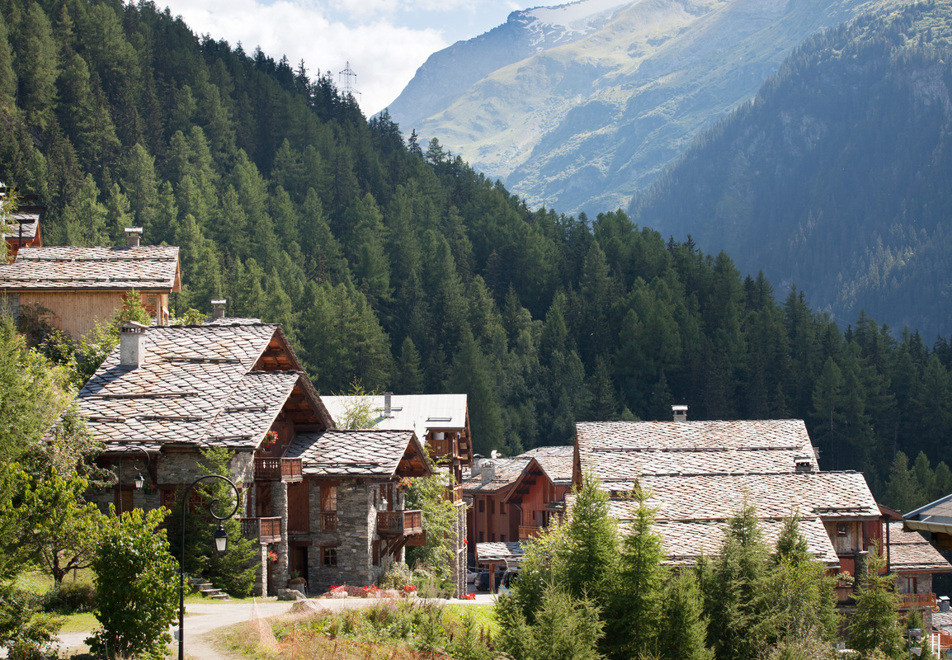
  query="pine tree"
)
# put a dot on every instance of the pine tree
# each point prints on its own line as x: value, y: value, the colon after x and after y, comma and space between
x: 591, y: 557
x: 682, y: 630
x: 875, y: 626
x: 635, y: 610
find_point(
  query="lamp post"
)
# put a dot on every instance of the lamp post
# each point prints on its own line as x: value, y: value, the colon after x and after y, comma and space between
x: 221, y: 540
x: 138, y: 481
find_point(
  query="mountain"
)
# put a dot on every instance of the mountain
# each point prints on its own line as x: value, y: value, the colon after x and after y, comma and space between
x: 394, y: 269
x: 835, y: 178
x: 579, y: 106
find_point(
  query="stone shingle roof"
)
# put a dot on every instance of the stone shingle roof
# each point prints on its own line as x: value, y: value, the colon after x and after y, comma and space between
x: 830, y: 495
x: 507, y: 471
x: 362, y: 453
x: 29, y: 221
x: 686, y: 542
x: 147, y: 267
x: 556, y: 461
x: 620, y: 451
x: 499, y: 551
x: 910, y: 552
x: 195, y: 387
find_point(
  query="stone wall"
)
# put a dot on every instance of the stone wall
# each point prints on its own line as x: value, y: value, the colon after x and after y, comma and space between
x: 353, y: 540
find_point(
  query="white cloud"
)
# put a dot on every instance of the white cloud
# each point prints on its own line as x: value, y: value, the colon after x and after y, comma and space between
x: 384, y: 56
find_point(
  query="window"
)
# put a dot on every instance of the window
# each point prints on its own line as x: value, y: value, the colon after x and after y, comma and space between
x: 329, y: 557
x: 482, y: 506
x: 492, y: 507
x: 482, y: 536
x: 841, y: 529
x: 502, y: 537
x: 328, y: 498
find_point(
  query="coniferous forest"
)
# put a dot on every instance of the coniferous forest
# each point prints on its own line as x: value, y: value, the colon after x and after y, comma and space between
x: 396, y: 264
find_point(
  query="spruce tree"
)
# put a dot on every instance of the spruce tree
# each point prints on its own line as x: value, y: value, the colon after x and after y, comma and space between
x: 875, y: 626
x: 591, y: 556
x: 682, y: 630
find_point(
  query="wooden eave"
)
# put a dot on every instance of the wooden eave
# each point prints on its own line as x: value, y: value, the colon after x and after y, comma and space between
x: 527, y: 478
x: 177, y: 281
x: 415, y: 462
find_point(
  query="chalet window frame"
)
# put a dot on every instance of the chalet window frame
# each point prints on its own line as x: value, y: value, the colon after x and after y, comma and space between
x: 329, y: 555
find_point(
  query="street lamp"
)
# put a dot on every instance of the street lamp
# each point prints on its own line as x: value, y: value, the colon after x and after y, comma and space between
x: 138, y: 481
x: 221, y: 541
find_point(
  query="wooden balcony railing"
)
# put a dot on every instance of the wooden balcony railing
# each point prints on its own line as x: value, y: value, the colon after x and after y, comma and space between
x: 278, y: 469
x: 917, y: 600
x: 454, y: 494
x: 328, y: 521
x: 399, y: 523
x: 266, y: 530
x: 528, y: 531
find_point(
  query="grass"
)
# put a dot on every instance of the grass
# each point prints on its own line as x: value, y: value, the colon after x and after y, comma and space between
x: 394, y: 630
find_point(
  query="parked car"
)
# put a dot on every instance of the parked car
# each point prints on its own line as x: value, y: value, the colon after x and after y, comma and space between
x: 482, y: 580
x: 471, y: 576
x: 503, y: 579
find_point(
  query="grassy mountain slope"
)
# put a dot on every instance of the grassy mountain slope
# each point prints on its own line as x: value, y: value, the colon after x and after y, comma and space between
x: 836, y: 177
x: 582, y: 126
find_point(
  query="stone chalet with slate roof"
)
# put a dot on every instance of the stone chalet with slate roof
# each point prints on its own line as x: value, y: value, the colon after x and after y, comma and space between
x: 77, y: 287
x: 441, y: 421
x: 700, y: 473
x: 322, y: 500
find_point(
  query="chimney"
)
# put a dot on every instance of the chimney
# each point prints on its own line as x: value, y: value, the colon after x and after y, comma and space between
x: 132, y: 236
x: 387, y: 397
x: 487, y: 469
x: 218, y: 309
x: 680, y: 413
x: 802, y: 464
x: 132, y: 344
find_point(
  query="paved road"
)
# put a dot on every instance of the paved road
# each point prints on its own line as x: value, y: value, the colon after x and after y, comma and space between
x: 202, y: 619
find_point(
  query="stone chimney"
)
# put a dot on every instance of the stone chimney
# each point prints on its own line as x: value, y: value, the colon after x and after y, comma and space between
x: 487, y: 470
x: 133, y: 234
x: 680, y: 413
x: 218, y: 309
x: 132, y: 344
x: 387, y: 401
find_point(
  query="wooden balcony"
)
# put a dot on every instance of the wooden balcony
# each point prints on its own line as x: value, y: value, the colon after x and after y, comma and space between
x: 917, y: 600
x: 328, y: 521
x: 454, y: 494
x: 266, y: 530
x: 529, y: 531
x: 399, y: 523
x: 279, y: 469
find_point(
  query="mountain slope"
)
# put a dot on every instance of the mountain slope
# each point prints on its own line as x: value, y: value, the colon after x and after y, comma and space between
x: 836, y: 177
x: 589, y: 113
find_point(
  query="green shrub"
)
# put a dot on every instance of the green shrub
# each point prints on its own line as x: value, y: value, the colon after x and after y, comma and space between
x: 396, y: 577
x: 70, y: 598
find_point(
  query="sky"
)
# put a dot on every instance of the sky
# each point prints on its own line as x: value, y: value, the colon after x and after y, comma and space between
x: 385, y: 41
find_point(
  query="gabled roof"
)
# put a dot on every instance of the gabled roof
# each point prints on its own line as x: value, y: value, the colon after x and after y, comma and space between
x: 621, y: 451
x: 199, y: 386
x: 909, y: 552
x: 361, y: 453
x: 146, y: 267
x: 420, y: 412
x: 506, y: 472
x: 555, y: 461
x: 23, y: 223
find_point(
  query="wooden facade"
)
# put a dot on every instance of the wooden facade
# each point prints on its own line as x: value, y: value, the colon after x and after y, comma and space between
x: 78, y: 312
x: 533, y: 497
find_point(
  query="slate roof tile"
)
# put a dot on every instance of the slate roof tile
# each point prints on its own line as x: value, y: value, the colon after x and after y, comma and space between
x: 147, y: 267
x: 344, y: 453
x: 909, y: 551
x: 195, y: 386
